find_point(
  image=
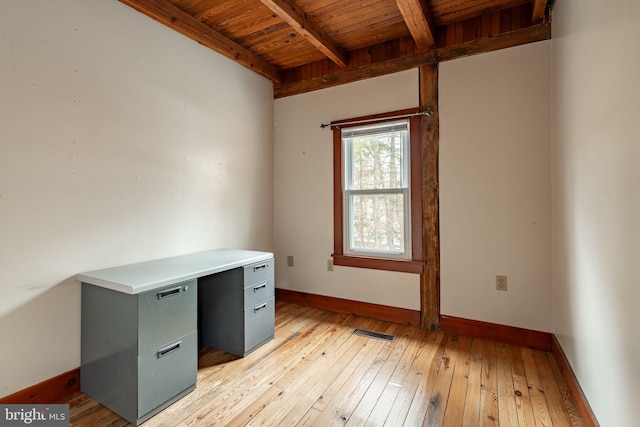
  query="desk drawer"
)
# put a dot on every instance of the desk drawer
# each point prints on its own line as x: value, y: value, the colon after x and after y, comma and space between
x: 258, y: 292
x: 166, y: 313
x: 259, y: 323
x: 166, y: 371
x: 258, y: 272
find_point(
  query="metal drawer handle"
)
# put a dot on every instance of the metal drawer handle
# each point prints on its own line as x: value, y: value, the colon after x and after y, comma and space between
x: 169, y: 350
x: 169, y: 292
x: 260, y: 267
x: 261, y: 286
x: 260, y: 307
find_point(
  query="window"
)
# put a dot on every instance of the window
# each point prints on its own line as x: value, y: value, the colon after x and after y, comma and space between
x: 376, y: 185
x: 377, y: 205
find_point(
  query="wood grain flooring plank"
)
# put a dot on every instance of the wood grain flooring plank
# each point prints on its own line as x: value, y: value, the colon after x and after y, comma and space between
x: 323, y: 380
x: 457, y: 395
x: 392, y: 390
x: 564, y: 391
x: 368, y: 351
x: 309, y: 418
x: 439, y: 399
x: 425, y: 365
x: 489, y: 386
x: 298, y: 385
x: 368, y: 402
x: 507, y: 411
x: 287, y: 312
x: 536, y: 390
x: 557, y: 410
x: 338, y: 411
x: 522, y: 398
x: 262, y: 375
x: 471, y: 416
x: 277, y: 387
x: 315, y: 372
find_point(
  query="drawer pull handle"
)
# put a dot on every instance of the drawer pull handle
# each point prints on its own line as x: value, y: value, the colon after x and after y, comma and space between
x: 260, y: 307
x: 169, y: 292
x: 261, y: 286
x: 169, y: 350
x: 260, y: 267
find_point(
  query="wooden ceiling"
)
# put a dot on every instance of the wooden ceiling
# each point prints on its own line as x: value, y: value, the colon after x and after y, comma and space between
x: 303, y: 45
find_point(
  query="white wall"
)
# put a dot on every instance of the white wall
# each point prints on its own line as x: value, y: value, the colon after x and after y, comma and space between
x: 120, y: 141
x: 304, y: 191
x: 495, y: 189
x: 495, y: 195
x: 596, y: 200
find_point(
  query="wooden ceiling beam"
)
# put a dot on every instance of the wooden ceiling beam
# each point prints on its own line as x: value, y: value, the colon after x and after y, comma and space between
x: 173, y: 17
x: 519, y: 37
x: 297, y: 18
x: 539, y: 7
x: 418, y: 19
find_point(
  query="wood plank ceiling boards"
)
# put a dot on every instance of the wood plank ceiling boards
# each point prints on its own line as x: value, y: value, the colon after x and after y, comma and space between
x: 303, y: 45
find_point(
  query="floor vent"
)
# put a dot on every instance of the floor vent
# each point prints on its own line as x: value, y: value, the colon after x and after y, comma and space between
x: 371, y: 334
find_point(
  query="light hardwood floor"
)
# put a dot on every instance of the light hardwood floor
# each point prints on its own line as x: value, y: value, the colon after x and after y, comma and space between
x: 317, y: 373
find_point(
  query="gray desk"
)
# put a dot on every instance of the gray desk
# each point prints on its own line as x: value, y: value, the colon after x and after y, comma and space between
x: 141, y: 324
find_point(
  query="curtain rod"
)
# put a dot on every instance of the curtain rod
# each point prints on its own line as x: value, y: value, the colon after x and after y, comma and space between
x: 355, y: 122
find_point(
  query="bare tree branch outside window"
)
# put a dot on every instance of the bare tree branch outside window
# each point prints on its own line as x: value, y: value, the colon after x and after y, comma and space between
x: 377, y: 189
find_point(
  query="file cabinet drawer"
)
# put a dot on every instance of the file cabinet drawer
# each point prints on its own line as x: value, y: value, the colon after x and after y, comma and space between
x: 258, y: 272
x: 258, y: 324
x: 258, y: 292
x: 166, y: 371
x: 166, y: 313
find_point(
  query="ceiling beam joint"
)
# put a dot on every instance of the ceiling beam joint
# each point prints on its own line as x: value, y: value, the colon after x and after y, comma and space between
x: 297, y: 18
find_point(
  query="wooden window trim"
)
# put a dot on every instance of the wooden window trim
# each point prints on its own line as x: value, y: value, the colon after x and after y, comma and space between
x: 416, y: 263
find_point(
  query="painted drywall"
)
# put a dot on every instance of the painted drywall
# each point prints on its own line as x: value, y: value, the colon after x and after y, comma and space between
x: 303, y: 226
x: 120, y: 141
x: 495, y: 196
x: 596, y: 200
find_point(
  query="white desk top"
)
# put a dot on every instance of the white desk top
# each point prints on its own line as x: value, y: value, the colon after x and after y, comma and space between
x: 145, y: 276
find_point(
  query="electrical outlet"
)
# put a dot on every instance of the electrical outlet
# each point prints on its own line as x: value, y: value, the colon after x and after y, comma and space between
x: 329, y: 265
x: 501, y: 283
x: 289, y: 260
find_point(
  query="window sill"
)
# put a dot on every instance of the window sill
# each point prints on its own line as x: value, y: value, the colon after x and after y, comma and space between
x: 404, y: 266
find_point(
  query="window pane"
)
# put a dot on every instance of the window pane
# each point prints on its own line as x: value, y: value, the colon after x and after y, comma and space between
x: 377, y: 222
x: 377, y: 160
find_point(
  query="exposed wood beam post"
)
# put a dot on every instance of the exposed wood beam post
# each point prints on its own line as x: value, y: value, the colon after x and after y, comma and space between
x: 418, y: 20
x: 293, y: 15
x: 430, y: 141
x: 539, y: 7
x: 171, y: 16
